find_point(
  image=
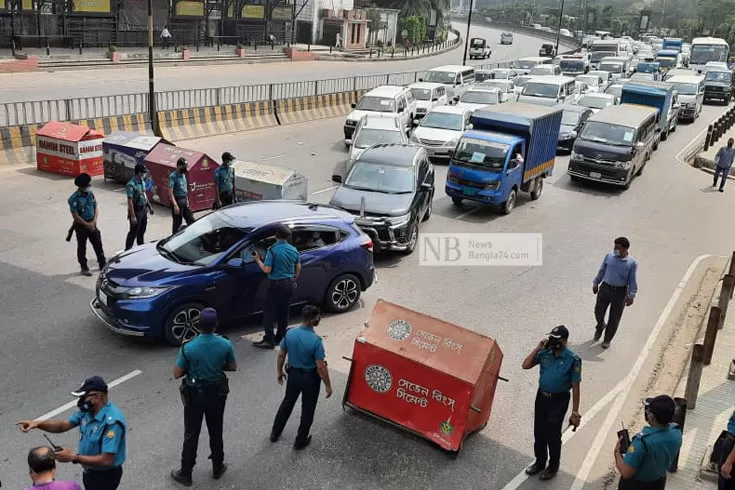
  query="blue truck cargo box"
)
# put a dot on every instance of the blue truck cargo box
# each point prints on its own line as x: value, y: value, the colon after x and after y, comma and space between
x: 653, y: 94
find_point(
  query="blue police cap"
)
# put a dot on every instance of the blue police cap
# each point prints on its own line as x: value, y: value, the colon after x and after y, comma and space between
x: 208, y: 317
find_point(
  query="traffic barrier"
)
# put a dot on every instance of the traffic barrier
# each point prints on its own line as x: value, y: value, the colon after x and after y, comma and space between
x: 303, y: 109
x: 187, y: 124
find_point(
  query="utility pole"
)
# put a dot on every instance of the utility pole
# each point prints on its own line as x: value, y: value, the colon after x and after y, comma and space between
x: 467, y: 37
x: 561, y: 17
x: 151, y: 88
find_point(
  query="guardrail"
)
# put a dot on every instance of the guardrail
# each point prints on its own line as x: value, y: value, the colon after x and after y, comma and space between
x: 528, y: 31
x: 38, y: 112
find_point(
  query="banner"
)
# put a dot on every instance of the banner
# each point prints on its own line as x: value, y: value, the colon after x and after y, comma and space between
x: 2, y: 4
x: 188, y: 8
x: 282, y: 13
x: 27, y: 5
x: 644, y: 20
x: 253, y: 12
x: 97, y: 6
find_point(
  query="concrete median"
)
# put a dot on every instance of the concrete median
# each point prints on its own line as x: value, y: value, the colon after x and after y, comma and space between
x: 178, y: 125
x: 303, y: 109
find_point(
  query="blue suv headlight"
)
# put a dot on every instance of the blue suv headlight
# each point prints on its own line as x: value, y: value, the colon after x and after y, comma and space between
x: 143, y: 292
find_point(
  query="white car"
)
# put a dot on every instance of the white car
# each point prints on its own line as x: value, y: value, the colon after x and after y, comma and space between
x: 507, y: 88
x: 374, y: 130
x: 520, y: 82
x: 478, y: 97
x: 428, y: 95
x: 597, y: 102
x: 594, y: 83
x: 387, y: 101
x: 440, y: 131
x: 545, y: 70
x: 605, y: 75
x: 506, y: 38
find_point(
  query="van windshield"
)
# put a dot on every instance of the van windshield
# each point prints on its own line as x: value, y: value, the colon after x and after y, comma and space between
x: 445, y: 77
x: 481, y: 153
x: 421, y: 93
x: 537, y: 89
x: 609, y: 134
x: 376, y: 104
x: 596, y: 56
x: 686, y: 88
x: 525, y: 64
x: 611, y: 67
x: 571, y: 65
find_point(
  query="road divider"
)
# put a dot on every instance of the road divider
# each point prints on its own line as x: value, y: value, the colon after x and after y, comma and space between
x: 304, y: 109
x: 185, y: 124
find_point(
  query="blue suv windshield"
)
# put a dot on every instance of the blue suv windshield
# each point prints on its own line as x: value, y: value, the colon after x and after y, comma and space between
x: 203, y: 242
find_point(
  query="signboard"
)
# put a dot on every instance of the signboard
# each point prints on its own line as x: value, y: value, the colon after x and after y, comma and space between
x: 282, y: 13
x: 2, y: 5
x: 644, y: 21
x: 189, y: 8
x: 94, y: 6
x: 253, y: 12
x: 27, y: 5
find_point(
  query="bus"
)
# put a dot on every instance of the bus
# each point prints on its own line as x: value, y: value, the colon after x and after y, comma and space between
x: 706, y: 49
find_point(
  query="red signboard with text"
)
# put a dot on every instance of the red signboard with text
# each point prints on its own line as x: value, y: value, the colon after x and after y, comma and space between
x: 433, y: 378
x: 69, y: 149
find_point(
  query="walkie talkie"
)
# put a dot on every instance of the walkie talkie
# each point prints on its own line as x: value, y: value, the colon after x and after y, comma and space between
x: 56, y: 448
x: 624, y: 438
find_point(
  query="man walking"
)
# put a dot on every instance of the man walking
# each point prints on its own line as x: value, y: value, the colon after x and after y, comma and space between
x: 224, y: 181
x: 723, y: 161
x: 283, y: 267
x: 560, y: 370
x: 84, y: 211
x: 42, y: 469
x: 615, y: 285
x: 307, y: 369
x: 178, y: 194
x: 165, y: 37
x: 204, y: 361
x: 137, y: 207
x: 103, y: 432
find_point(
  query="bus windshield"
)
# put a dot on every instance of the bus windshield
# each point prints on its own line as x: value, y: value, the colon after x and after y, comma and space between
x: 704, y: 53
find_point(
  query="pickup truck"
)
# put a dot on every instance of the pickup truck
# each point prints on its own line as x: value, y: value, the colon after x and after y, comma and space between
x: 660, y: 95
x: 510, y: 148
x: 479, y: 49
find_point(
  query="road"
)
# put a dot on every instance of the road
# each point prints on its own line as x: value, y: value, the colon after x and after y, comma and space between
x: 92, y: 83
x: 51, y: 340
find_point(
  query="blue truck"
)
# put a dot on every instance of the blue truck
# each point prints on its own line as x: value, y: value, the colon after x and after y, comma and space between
x: 673, y: 43
x: 485, y: 166
x: 660, y: 95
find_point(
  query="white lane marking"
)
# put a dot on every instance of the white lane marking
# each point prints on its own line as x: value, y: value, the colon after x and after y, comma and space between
x: 273, y: 157
x: 324, y: 190
x: 590, y: 414
x: 467, y: 213
x: 118, y: 190
x: 614, y: 413
x: 64, y: 408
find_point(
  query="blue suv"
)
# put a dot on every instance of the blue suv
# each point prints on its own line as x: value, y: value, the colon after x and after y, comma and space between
x: 158, y: 289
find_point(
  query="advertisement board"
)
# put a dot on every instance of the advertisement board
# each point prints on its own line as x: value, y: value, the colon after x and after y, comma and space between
x: 2, y: 5
x: 282, y: 13
x: 92, y: 6
x: 161, y: 161
x: 188, y: 8
x: 253, y: 12
x: 69, y: 149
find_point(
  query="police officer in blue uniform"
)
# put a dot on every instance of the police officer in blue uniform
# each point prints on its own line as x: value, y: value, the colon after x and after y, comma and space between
x: 103, y: 430
x: 651, y: 452
x: 224, y: 181
x: 307, y: 369
x: 283, y: 267
x: 204, y: 361
x: 178, y: 195
x: 727, y: 477
x: 84, y: 211
x: 560, y: 372
x: 137, y: 207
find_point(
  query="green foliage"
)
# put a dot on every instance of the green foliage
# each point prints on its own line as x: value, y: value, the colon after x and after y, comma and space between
x: 416, y: 28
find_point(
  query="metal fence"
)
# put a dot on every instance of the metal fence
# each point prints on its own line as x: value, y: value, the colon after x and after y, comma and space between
x: 41, y: 111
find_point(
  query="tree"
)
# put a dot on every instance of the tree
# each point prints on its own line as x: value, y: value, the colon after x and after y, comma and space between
x: 374, y: 24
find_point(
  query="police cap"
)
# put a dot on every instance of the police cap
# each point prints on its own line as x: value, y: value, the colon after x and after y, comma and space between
x: 559, y: 332
x: 82, y: 180
x: 662, y: 407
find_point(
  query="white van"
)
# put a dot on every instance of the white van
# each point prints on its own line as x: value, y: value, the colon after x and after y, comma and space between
x: 385, y: 101
x: 455, y: 77
x: 549, y: 91
x: 428, y: 95
x: 524, y: 65
x: 691, y: 95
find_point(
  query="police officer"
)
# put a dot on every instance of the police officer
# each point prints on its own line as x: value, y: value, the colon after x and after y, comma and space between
x: 204, y: 361
x: 306, y: 370
x: 560, y: 372
x: 283, y: 266
x: 137, y: 207
x: 178, y: 194
x: 84, y: 211
x: 652, y: 451
x: 224, y: 181
x: 727, y: 480
x: 103, y: 430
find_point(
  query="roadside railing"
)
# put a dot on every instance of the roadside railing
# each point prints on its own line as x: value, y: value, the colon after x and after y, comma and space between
x: 40, y: 111
x: 721, y: 125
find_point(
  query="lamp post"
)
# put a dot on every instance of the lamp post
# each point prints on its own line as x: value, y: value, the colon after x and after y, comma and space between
x: 467, y: 37
x: 558, y: 31
x: 151, y: 89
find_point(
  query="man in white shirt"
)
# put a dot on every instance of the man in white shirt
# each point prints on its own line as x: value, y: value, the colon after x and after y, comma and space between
x: 165, y: 37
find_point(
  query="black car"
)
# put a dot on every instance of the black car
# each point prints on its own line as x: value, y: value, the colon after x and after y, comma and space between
x: 390, y: 189
x: 718, y: 85
x: 547, y: 50
x: 572, y: 120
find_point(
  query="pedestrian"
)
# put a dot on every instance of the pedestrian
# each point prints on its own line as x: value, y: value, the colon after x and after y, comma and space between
x: 202, y: 363
x: 42, y: 469
x: 283, y: 267
x: 723, y: 161
x: 726, y: 480
x: 615, y: 285
x: 338, y: 40
x: 224, y: 181
x: 651, y: 452
x: 103, y: 431
x: 306, y: 371
x: 178, y: 194
x: 137, y: 207
x: 560, y: 371
x: 84, y: 211
x: 272, y: 40
x: 165, y: 37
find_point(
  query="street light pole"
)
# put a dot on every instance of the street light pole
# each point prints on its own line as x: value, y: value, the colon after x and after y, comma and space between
x: 151, y: 88
x: 467, y: 37
x: 558, y: 31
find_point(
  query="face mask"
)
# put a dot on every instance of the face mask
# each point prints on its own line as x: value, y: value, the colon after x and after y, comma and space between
x: 182, y: 170
x: 616, y: 253
x: 88, y: 188
x: 84, y: 405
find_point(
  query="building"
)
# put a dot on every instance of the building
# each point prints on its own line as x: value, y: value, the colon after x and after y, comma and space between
x: 387, y: 31
x: 319, y: 21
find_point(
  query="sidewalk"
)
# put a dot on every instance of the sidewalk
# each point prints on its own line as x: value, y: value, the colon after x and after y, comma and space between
x: 715, y: 404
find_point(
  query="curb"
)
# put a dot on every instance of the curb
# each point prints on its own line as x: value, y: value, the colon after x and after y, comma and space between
x: 395, y: 58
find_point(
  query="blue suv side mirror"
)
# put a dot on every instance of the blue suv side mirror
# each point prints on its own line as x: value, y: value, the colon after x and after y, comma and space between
x: 235, y: 263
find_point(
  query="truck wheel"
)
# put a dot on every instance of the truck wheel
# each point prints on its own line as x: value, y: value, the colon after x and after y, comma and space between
x: 457, y: 201
x: 510, y: 203
x: 538, y: 188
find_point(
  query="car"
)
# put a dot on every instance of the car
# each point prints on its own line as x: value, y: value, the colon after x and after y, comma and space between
x: 373, y: 130
x: 428, y: 95
x: 520, y: 82
x: 506, y: 38
x: 572, y: 120
x: 440, y: 130
x: 615, y: 89
x: 390, y: 189
x: 545, y: 70
x: 495, y: 74
x: 605, y: 75
x: 479, y: 49
x: 507, y: 88
x: 593, y: 82
x: 678, y: 72
x: 597, y: 102
x: 478, y: 97
x: 388, y: 101
x: 158, y: 289
x: 547, y: 49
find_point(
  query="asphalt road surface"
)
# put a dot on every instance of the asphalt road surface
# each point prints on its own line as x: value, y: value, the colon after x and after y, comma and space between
x: 90, y: 83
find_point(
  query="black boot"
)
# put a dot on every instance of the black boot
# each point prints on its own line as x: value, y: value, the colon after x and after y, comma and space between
x: 180, y: 477
x: 535, y: 468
